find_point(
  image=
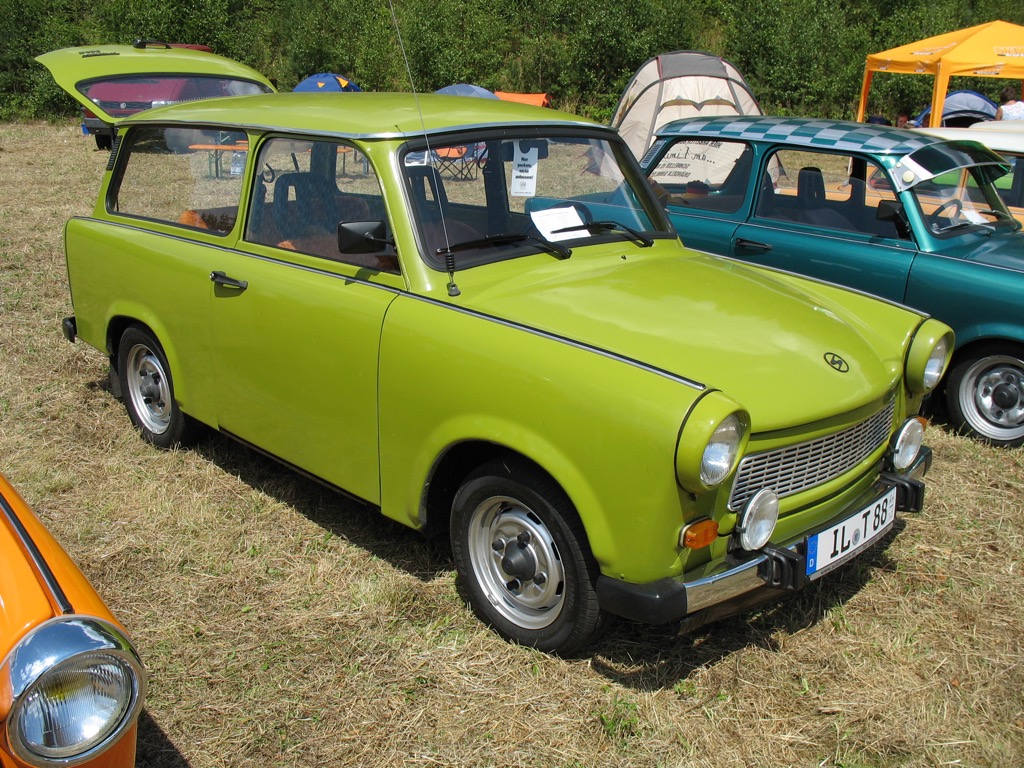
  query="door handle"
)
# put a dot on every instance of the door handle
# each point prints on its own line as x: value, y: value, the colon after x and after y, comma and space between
x: 742, y: 242
x: 221, y: 279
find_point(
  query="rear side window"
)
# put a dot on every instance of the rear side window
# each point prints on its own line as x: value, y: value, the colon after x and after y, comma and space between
x: 183, y: 176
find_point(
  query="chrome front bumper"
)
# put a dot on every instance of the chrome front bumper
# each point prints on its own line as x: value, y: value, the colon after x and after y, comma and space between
x: 738, y: 583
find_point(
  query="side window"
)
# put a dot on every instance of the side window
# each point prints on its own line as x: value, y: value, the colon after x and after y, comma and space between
x: 706, y: 175
x: 827, y: 191
x: 305, y: 189
x: 183, y: 176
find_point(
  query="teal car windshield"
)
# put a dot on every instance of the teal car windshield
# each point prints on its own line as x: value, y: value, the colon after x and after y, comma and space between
x: 960, y: 200
x: 938, y: 159
x: 481, y: 198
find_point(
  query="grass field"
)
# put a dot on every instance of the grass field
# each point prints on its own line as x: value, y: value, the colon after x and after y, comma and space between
x: 283, y: 625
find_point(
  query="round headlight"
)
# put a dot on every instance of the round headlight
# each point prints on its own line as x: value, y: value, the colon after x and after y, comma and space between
x: 76, y: 685
x: 75, y: 706
x: 757, y: 521
x: 936, y: 364
x: 711, y: 442
x: 907, y: 444
x: 721, y: 452
x: 929, y: 357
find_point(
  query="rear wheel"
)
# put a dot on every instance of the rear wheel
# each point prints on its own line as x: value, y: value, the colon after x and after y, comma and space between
x: 148, y: 391
x: 521, y: 552
x: 985, y: 394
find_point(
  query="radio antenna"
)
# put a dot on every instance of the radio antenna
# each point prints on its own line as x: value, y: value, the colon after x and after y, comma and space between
x: 449, y: 258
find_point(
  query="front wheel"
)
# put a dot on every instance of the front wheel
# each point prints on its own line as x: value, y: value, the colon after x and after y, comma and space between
x: 985, y: 394
x: 148, y: 391
x: 521, y: 553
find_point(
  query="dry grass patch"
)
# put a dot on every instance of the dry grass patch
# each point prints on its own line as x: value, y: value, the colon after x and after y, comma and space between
x: 283, y: 625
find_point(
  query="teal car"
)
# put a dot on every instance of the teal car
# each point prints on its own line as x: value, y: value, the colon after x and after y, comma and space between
x: 893, y: 212
x: 475, y: 316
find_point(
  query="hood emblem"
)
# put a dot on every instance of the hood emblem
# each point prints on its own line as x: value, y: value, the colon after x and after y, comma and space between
x: 836, y: 362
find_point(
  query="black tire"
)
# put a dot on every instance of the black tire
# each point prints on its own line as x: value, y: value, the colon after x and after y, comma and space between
x: 103, y: 140
x: 522, y: 555
x: 147, y: 391
x: 985, y: 394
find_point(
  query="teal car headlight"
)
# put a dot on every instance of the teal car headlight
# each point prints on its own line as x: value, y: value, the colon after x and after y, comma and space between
x: 711, y: 443
x: 929, y: 357
x: 76, y: 684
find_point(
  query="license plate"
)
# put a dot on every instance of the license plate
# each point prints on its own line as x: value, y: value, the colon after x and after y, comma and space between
x: 834, y: 546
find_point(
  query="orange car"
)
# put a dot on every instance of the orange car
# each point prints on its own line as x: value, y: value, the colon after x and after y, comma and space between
x: 71, y: 684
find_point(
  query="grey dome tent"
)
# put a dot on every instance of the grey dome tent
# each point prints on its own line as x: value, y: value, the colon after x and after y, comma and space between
x: 676, y: 85
x: 466, y: 89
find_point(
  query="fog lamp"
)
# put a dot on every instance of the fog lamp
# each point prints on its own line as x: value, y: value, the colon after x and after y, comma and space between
x: 757, y: 520
x: 907, y: 444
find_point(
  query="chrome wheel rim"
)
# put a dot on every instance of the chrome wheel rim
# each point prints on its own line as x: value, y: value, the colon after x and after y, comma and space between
x: 516, y: 562
x: 149, y: 389
x: 992, y: 397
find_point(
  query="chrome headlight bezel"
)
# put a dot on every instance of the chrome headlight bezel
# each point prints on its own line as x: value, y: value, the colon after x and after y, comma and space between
x: 929, y: 356
x: 711, y: 443
x: 68, y: 658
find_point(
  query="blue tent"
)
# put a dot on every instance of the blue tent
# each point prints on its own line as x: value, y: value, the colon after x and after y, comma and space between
x: 326, y: 82
x: 465, y: 89
x: 961, y: 109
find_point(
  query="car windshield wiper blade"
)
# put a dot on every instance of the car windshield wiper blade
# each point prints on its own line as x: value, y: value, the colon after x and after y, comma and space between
x: 508, y: 238
x: 1008, y: 217
x: 610, y: 226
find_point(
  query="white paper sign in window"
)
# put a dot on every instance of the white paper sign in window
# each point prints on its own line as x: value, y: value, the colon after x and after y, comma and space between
x: 524, y: 172
x: 550, y: 220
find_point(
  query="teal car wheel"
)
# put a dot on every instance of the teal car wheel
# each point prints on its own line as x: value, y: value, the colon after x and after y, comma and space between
x: 985, y: 395
x: 148, y: 391
x: 521, y: 553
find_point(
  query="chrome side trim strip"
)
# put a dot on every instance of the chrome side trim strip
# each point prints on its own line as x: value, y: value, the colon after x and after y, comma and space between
x: 41, y: 566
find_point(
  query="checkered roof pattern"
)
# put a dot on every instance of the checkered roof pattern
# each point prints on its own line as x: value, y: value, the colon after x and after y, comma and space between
x: 808, y: 132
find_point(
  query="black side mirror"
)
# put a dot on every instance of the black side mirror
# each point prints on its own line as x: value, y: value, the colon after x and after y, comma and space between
x: 362, y: 237
x: 892, y: 211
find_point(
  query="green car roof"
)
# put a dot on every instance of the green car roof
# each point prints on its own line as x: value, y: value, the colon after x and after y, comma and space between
x: 357, y: 115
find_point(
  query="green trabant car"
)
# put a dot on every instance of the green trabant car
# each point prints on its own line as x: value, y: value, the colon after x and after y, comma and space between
x: 475, y: 315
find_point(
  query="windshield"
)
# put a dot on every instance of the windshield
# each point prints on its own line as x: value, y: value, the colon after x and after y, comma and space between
x: 483, y: 197
x: 937, y: 159
x: 960, y: 200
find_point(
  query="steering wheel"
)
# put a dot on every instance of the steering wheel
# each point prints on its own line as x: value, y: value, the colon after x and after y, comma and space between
x: 935, y: 220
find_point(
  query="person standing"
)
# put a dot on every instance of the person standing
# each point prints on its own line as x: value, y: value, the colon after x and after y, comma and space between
x: 1011, y: 107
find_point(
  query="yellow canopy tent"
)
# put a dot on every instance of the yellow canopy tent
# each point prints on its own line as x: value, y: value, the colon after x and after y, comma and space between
x: 995, y: 49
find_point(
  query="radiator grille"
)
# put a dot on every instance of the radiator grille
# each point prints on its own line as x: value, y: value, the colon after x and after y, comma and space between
x: 797, y: 468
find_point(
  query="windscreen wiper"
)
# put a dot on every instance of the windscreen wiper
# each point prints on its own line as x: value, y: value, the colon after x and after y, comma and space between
x: 610, y: 226
x: 508, y: 238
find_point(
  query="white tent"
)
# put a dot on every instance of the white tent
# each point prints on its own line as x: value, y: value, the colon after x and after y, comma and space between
x: 676, y: 85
